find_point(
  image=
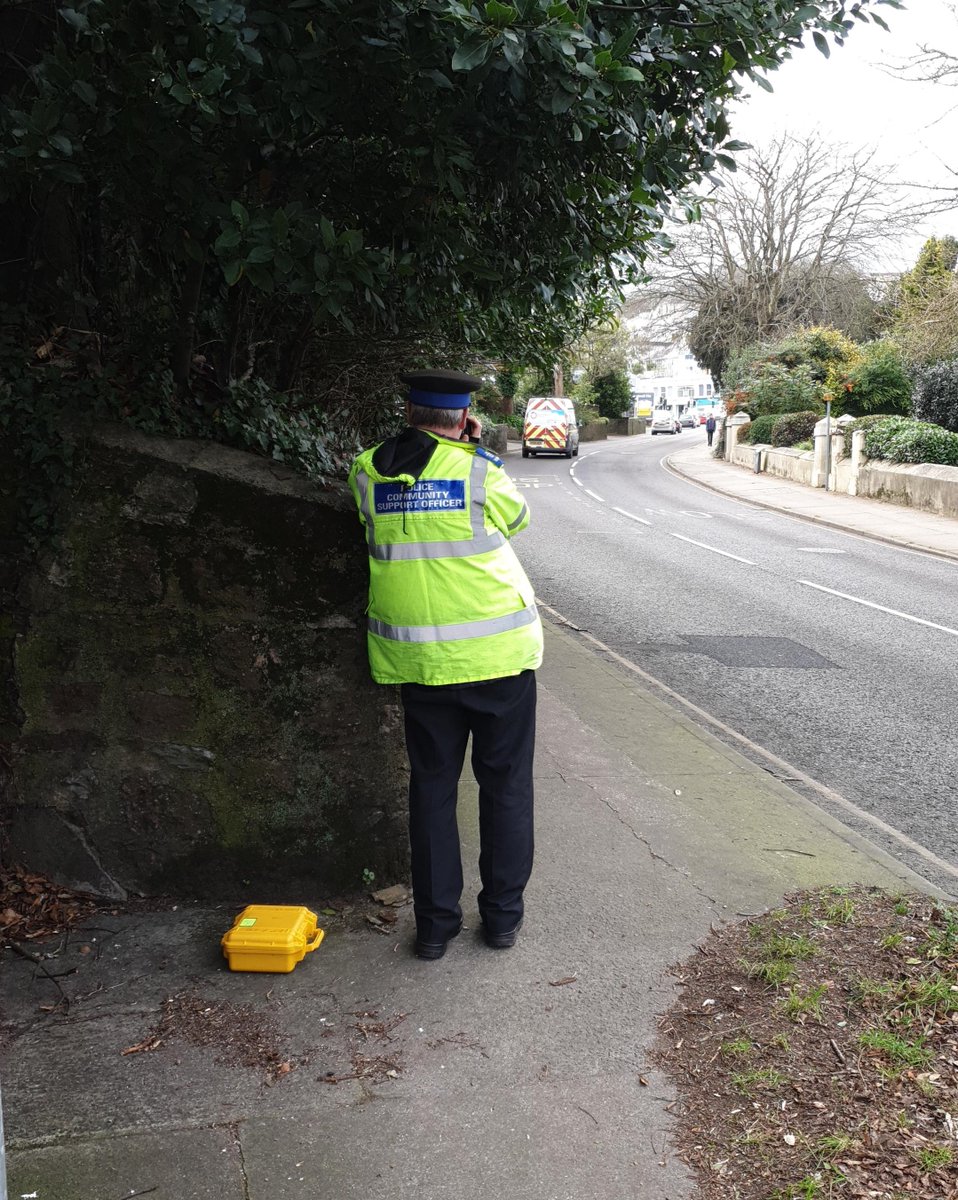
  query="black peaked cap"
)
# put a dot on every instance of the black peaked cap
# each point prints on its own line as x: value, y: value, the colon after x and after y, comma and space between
x: 442, y: 381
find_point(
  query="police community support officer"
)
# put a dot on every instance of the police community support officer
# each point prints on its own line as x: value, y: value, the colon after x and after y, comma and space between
x: 452, y: 618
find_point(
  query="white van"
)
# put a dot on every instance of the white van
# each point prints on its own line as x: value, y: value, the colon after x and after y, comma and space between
x: 550, y: 427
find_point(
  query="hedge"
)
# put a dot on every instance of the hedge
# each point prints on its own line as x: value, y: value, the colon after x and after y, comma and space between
x: 936, y: 394
x: 794, y: 427
x: 902, y: 440
x: 760, y: 430
x: 862, y: 423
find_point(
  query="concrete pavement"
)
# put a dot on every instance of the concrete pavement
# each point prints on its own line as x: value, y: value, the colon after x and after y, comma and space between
x: 522, y: 1072
x: 854, y: 514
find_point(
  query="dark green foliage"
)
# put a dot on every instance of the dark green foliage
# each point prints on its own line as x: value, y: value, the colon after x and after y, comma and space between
x: 222, y: 174
x: 243, y: 221
x: 759, y: 430
x: 774, y: 388
x: 878, y: 382
x: 860, y: 423
x: 899, y: 439
x: 794, y: 427
x: 507, y: 381
x: 37, y: 379
x: 936, y: 394
x: 612, y: 394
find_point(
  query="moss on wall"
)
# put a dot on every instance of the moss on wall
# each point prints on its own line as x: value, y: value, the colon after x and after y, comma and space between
x: 195, y: 712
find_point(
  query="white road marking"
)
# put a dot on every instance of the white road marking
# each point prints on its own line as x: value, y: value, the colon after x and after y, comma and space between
x: 715, y: 550
x: 578, y: 481
x: 695, y: 512
x: 818, y: 550
x: 594, y: 496
x: 632, y: 516
x: 880, y: 607
x: 784, y: 768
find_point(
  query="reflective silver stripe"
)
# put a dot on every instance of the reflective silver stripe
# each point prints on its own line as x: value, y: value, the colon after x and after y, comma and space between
x: 362, y: 483
x: 520, y: 518
x: 477, y: 494
x: 454, y: 633
x: 408, y: 551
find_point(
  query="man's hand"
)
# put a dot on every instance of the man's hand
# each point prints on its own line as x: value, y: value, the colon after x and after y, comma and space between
x: 473, y: 429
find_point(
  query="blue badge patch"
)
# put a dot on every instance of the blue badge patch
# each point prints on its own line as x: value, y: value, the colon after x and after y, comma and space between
x: 484, y: 453
x: 425, y: 496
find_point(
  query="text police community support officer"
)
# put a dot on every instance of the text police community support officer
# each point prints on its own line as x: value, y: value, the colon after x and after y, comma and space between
x: 452, y: 618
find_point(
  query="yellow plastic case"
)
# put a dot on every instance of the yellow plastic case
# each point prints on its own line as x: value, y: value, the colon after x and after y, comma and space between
x: 271, y: 937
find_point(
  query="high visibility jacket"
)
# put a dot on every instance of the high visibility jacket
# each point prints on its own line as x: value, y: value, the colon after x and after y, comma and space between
x: 448, y: 599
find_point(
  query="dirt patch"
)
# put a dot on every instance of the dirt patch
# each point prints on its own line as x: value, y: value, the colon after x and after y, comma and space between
x: 240, y: 1035
x: 815, y: 1050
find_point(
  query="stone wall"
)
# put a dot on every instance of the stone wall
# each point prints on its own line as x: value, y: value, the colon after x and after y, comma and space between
x: 933, y: 488
x: 190, y: 709
x: 627, y: 426
x: 783, y: 461
x: 594, y: 431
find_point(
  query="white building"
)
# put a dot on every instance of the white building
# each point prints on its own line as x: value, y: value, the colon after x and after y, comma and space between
x: 673, y: 379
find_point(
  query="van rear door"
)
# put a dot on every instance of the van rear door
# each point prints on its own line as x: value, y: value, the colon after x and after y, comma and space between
x: 546, y: 425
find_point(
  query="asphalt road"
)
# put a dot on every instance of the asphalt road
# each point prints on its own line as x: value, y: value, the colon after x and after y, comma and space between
x: 836, y: 654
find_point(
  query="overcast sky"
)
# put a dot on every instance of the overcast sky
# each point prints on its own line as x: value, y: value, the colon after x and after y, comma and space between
x: 852, y: 98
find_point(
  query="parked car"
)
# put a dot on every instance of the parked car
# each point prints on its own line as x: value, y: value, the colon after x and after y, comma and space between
x: 688, y: 420
x: 550, y: 427
x: 663, y: 421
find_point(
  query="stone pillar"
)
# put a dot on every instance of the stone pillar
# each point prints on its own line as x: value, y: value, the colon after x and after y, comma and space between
x: 821, y: 454
x: 858, y: 453
x: 496, y: 438
x: 733, y: 426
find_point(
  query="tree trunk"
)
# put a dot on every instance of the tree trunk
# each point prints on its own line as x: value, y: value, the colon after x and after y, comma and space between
x: 186, y: 324
x: 292, y: 360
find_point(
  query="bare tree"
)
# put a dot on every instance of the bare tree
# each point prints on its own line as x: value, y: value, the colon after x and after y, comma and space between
x: 794, y: 237
x: 934, y: 65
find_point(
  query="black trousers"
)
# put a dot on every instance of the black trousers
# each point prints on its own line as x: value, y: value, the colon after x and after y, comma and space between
x: 501, y: 716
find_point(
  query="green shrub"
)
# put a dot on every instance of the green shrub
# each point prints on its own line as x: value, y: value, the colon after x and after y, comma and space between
x: 818, y: 347
x: 760, y: 430
x: 613, y: 396
x: 936, y: 394
x: 878, y: 382
x: 794, y: 427
x: 773, y: 389
x: 861, y: 423
x: 899, y: 439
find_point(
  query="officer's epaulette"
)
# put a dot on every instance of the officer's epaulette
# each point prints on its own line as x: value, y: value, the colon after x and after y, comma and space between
x: 493, y: 458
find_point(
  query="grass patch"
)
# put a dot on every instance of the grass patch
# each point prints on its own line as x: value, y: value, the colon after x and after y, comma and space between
x: 899, y: 1051
x: 857, y: 988
x: 776, y: 972
x: 740, y: 1048
x: 934, y: 1157
x: 747, y: 1081
x: 804, y: 1004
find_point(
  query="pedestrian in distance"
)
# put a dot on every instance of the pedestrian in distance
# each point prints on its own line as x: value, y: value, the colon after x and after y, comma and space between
x: 710, y: 428
x: 452, y: 620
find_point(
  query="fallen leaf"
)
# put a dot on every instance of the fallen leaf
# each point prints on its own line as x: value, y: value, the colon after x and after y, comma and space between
x: 562, y: 982
x: 150, y: 1043
x: 394, y: 896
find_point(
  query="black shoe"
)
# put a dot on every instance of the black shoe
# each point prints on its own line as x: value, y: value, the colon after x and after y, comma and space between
x: 434, y: 950
x: 502, y: 941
